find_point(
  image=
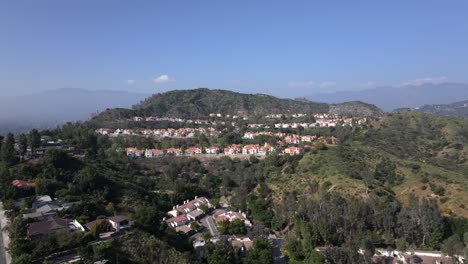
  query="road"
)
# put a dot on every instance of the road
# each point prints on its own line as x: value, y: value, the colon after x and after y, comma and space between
x: 208, y: 222
x: 5, y: 257
x: 278, y: 257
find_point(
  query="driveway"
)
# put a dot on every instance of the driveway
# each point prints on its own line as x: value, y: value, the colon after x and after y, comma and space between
x: 208, y: 223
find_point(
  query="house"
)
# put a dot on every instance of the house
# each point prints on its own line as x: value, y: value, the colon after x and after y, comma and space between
x: 250, y: 149
x: 294, y: 139
x: 116, y: 223
x: 23, y: 184
x: 250, y: 135
x: 195, y: 215
x: 292, y: 151
x: 138, y: 118
x: 174, y: 151
x: 193, y: 151
x: 189, y: 206
x: 232, y: 149
x: 212, y: 150
x: 149, y: 153
x: 243, y: 244
x: 225, y: 215
x: 184, y: 229
x: 134, y: 152
x: 104, y: 131
x: 267, y: 148
x: 52, y: 225
x: 308, y: 138
x: 120, y: 222
x: 41, y: 201
x: 177, y: 221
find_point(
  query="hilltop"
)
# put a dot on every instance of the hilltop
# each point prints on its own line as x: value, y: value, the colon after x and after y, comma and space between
x: 200, y: 103
x: 457, y: 109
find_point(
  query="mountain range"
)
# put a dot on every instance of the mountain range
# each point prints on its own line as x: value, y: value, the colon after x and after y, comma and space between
x: 54, y: 107
x: 390, y: 98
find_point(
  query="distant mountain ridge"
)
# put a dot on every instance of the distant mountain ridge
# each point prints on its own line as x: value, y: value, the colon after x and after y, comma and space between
x: 390, y: 98
x: 199, y: 103
x: 55, y: 107
x: 457, y: 109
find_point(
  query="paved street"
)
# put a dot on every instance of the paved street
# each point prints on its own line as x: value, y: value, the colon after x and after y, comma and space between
x: 208, y: 222
x: 278, y: 257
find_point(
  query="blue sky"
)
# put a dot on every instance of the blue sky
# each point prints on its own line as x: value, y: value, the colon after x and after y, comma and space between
x: 284, y: 48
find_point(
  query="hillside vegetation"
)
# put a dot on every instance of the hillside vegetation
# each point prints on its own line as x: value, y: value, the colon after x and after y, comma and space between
x: 406, y: 153
x: 458, y: 109
x: 199, y: 103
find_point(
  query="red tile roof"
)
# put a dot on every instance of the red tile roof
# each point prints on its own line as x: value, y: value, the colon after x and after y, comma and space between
x: 23, y: 184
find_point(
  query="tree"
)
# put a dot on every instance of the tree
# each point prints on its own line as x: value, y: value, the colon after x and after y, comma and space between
x: 102, y: 227
x: 148, y: 219
x: 260, y: 252
x: 1, y: 143
x: 194, y: 225
x: 34, y: 140
x: 206, y: 236
x: 110, y: 208
x: 23, y: 144
x: 453, y: 246
x: 8, y: 155
x: 204, y: 208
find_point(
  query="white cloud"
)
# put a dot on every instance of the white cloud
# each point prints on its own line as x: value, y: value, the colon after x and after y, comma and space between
x: 130, y: 82
x: 421, y: 81
x: 164, y: 78
x: 311, y: 84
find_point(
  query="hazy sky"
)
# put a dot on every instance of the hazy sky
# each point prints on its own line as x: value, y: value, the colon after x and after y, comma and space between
x: 285, y: 48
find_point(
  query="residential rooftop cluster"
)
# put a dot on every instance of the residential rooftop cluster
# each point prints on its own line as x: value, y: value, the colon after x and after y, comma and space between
x: 44, y: 212
x: 168, y: 132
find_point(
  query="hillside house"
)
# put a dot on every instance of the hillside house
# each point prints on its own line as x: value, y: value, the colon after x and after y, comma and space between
x: 52, y: 225
x: 177, y: 221
x: 292, y: 151
x: 212, y: 150
x: 23, y: 184
x: 174, y: 151
x: 266, y: 149
x: 225, y: 215
x: 116, y: 224
x: 193, y: 151
x: 134, y: 152
x: 250, y: 149
x: 149, y: 153
x: 232, y: 149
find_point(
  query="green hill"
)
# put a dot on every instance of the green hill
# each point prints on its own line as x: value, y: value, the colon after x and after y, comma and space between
x: 405, y: 153
x: 199, y: 103
x: 356, y: 108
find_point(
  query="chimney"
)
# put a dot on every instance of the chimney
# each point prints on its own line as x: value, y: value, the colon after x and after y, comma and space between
x: 173, y: 207
x: 196, y: 197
